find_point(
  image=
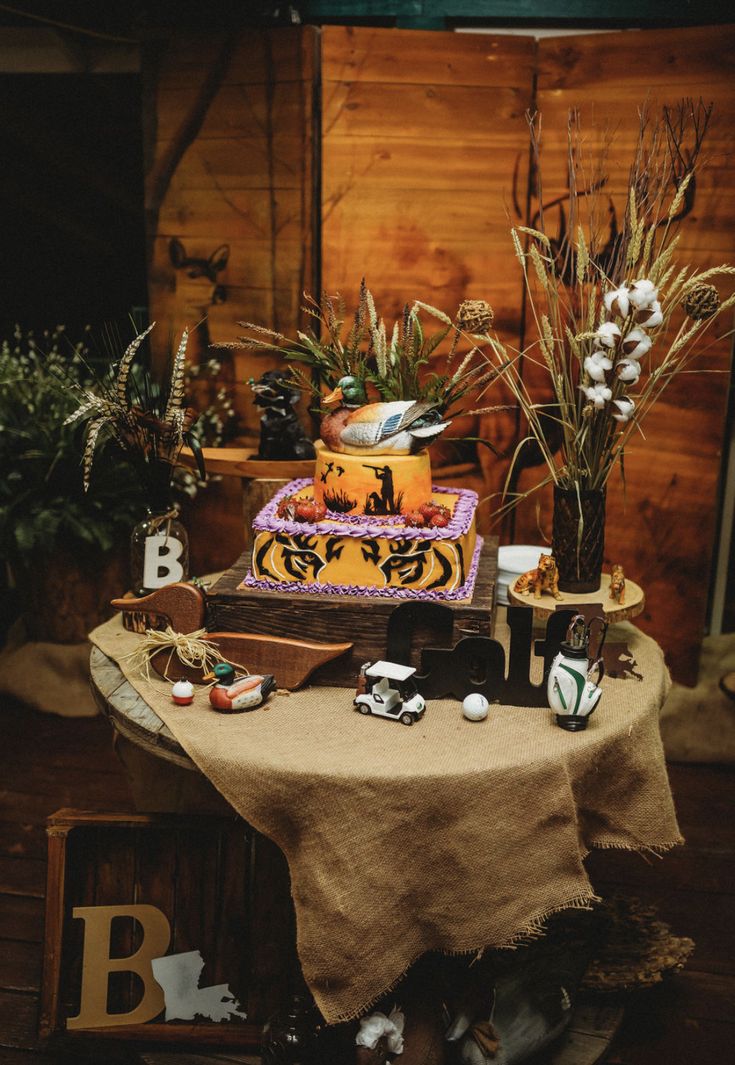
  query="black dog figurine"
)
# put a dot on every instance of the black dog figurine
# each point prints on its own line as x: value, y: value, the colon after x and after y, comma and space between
x: 282, y: 436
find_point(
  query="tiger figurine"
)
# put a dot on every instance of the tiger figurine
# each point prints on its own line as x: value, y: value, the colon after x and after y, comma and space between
x: 617, y: 584
x: 545, y: 578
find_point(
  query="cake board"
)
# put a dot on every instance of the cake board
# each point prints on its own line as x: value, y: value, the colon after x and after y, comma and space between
x: 363, y: 619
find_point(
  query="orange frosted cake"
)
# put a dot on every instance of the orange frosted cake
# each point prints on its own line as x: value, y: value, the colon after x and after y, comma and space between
x: 299, y: 544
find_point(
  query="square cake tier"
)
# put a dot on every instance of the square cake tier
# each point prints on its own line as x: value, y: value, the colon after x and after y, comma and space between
x: 365, y: 554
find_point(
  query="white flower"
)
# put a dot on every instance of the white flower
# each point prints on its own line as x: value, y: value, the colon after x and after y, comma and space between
x: 608, y: 334
x: 377, y: 1025
x: 617, y: 302
x: 651, y: 316
x: 598, y: 394
x: 596, y: 364
x: 626, y: 408
x: 642, y: 293
x: 628, y: 370
x: 636, y: 343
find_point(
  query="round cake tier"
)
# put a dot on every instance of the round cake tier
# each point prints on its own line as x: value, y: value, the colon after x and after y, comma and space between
x: 372, y: 484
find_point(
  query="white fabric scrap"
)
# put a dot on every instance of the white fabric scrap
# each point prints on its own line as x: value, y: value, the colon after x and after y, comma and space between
x: 178, y: 975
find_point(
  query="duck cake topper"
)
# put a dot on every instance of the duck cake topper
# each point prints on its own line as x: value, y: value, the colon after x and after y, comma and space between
x: 355, y: 426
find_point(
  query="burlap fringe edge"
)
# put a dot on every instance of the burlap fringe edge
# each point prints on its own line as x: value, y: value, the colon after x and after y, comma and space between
x: 656, y: 850
x: 534, y: 929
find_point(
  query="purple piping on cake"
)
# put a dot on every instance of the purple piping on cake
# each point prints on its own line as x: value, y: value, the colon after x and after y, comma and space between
x: 360, y: 525
x: 314, y: 588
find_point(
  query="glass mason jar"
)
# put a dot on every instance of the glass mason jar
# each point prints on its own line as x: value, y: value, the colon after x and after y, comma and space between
x: 159, y: 551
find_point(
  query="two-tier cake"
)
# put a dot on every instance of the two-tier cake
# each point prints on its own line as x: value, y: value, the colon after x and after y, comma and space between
x: 368, y: 525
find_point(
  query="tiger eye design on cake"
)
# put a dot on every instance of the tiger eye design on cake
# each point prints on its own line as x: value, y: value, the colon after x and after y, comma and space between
x: 368, y: 554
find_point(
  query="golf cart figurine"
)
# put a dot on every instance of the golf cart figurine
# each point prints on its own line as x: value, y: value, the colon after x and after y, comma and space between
x: 571, y: 691
x: 386, y: 689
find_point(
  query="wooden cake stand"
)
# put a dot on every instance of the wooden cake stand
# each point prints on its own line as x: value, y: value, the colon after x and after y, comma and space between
x: 635, y: 601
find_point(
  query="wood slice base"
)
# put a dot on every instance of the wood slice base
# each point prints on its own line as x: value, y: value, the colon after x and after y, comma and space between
x: 634, y: 604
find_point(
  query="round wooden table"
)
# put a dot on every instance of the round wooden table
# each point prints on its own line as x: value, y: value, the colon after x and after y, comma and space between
x: 164, y: 779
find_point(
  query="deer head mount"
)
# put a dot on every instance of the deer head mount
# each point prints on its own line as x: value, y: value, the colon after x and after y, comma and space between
x: 198, y: 267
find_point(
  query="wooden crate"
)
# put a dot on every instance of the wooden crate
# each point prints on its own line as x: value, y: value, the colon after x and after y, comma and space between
x: 224, y: 890
x: 365, y: 620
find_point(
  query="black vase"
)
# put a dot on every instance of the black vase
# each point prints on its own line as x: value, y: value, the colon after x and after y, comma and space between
x: 578, y: 548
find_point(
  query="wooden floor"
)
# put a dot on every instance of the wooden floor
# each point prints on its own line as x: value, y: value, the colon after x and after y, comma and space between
x: 48, y: 762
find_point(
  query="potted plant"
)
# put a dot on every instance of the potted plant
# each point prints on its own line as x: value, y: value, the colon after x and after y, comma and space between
x: 63, y: 545
x: 64, y: 536
x: 147, y: 422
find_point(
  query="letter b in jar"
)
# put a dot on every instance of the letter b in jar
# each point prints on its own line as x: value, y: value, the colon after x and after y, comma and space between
x: 161, y: 563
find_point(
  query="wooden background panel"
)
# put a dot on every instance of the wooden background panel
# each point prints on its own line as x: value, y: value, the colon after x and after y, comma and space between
x: 240, y: 163
x: 238, y: 111
x: 235, y: 114
x: 650, y: 58
x: 664, y: 531
x: 252, y: 215
x: 423, y: 147
x: 362, y: 54
x: 251, y: 57
x: 451, y: 163
x: 463, y: 114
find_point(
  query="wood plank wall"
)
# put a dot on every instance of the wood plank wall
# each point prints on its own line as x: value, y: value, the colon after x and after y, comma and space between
x: 231, y: 165
x: 423, y: 149
x: 664, y: 530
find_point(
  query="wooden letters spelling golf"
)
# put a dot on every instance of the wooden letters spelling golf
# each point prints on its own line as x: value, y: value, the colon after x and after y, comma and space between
x: 478, y: 663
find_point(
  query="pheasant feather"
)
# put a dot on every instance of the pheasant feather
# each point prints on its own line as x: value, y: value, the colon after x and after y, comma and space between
x: 126, y: 363
x: 93, y: 403
x: 151, y: 430
x: 176, y: 394
x: 94, y: 429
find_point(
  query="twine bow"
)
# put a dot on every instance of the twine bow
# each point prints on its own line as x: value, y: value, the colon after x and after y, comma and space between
x: 192, y: 649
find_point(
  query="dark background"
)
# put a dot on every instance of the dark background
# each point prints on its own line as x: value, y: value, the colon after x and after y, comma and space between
x: 71, y: 189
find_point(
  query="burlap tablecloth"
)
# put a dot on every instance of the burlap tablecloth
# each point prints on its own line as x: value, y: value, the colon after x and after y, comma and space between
x: 450, y: 835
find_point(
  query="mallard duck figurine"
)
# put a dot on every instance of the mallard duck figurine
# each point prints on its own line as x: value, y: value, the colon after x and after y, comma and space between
x: 401, y: 427
x: 233, y: 692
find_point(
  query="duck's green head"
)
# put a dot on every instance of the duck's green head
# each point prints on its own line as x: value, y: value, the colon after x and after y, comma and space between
x: 350, y: 392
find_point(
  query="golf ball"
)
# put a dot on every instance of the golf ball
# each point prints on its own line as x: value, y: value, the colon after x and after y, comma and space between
x: 475, y: 707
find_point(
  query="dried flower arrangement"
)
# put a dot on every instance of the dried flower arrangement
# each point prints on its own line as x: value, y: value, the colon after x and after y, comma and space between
x: 150, y: 424
x: 395, y: 366
x: 603, y: 309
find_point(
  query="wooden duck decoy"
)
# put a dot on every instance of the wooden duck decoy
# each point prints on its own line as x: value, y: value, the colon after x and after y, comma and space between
x: 233, y: 693
x: 356, y: 427
x: 182, y: 606
x: 292, y: 661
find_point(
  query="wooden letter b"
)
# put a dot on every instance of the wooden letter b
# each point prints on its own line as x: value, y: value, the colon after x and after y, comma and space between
x: 97, y: 964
